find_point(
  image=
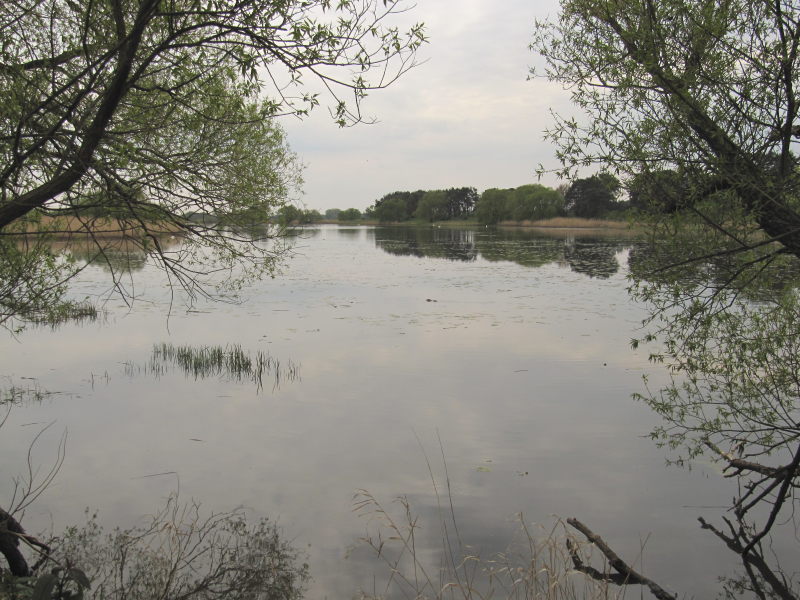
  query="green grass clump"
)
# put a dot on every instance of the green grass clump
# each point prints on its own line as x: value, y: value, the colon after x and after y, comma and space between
x: 230, y: 361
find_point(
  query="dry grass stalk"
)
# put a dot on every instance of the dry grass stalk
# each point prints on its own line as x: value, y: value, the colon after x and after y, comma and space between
x: 536, y: 566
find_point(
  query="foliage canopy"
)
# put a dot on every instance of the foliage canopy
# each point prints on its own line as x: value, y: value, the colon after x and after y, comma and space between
x: 704, y: 88
x: 701, y: 98
x: 150, y: 112
x: 531, y: 202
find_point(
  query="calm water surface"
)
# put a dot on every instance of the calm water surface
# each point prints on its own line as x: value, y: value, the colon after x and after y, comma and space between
x: 511, y: 348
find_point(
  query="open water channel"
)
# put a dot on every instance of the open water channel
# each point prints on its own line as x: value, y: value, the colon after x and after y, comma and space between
x: 508, y: 352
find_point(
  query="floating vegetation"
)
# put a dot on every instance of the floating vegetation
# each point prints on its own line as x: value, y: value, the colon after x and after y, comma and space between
x: 230, y: 361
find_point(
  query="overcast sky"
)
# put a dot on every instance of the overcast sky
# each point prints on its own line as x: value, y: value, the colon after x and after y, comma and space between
x: 467, y: 117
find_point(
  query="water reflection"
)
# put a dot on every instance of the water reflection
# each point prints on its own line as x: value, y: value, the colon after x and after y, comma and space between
x: 582, y: 252
x: 112, y: 255
x: 521, y: 248
x: 755, y: 280
x: 594, y: 258
x: 354, y: 232
x: 438, y: 552
x: 530, y: 368
x: 428, y: 242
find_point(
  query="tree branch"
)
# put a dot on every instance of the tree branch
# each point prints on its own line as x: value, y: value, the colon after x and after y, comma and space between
x: 94, y: 132
x: 740, y: 465
x: 44, y: 63
x: 752, y: 558
x: 625, y: 574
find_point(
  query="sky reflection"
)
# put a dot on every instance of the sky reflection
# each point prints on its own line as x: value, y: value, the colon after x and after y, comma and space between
x: 523, y: 374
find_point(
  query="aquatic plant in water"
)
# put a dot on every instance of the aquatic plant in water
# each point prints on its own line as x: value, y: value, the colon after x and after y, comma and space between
x: 230, y: 361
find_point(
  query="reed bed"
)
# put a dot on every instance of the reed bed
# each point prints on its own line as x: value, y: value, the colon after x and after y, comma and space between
x: 73, y: 227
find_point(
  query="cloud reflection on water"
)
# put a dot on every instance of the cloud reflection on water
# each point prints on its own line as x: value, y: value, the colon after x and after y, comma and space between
x: 529, y: 368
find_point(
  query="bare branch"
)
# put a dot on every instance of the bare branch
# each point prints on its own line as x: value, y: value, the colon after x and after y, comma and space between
x: 625, y: 574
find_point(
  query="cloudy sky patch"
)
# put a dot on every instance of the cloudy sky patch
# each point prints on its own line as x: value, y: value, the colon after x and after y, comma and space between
x: 468, y: 116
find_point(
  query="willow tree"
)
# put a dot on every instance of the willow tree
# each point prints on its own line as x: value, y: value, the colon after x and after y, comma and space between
x: 147, y: 112
x: 707, y: 91
x: 140, y: 119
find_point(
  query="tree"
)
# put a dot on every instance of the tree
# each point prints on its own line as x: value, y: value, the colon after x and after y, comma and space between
x: 390, y: 209
x: 591, y: 197
x: 433, y: 206
x: 534, y: 202
x: 397, y: 206
x: 461, y: 202
x: 332, y: 214
x: 350, y: 214
x: 289, y: 214
x: 150, y: 111
x: 492, y: 206
x: 527, y: 202
x: 657, y: 191
x: 157, y: 117
x: 311, y: 216
x: 706, y: 90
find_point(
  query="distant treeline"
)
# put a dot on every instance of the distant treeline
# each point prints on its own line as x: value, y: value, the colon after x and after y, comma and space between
x: 600, y: 196
x: 593, y: 197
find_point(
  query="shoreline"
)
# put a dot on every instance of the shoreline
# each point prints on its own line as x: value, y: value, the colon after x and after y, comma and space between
x: 555, y: 223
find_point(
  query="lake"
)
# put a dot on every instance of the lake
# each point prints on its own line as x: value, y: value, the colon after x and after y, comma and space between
x: 508, y: 352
